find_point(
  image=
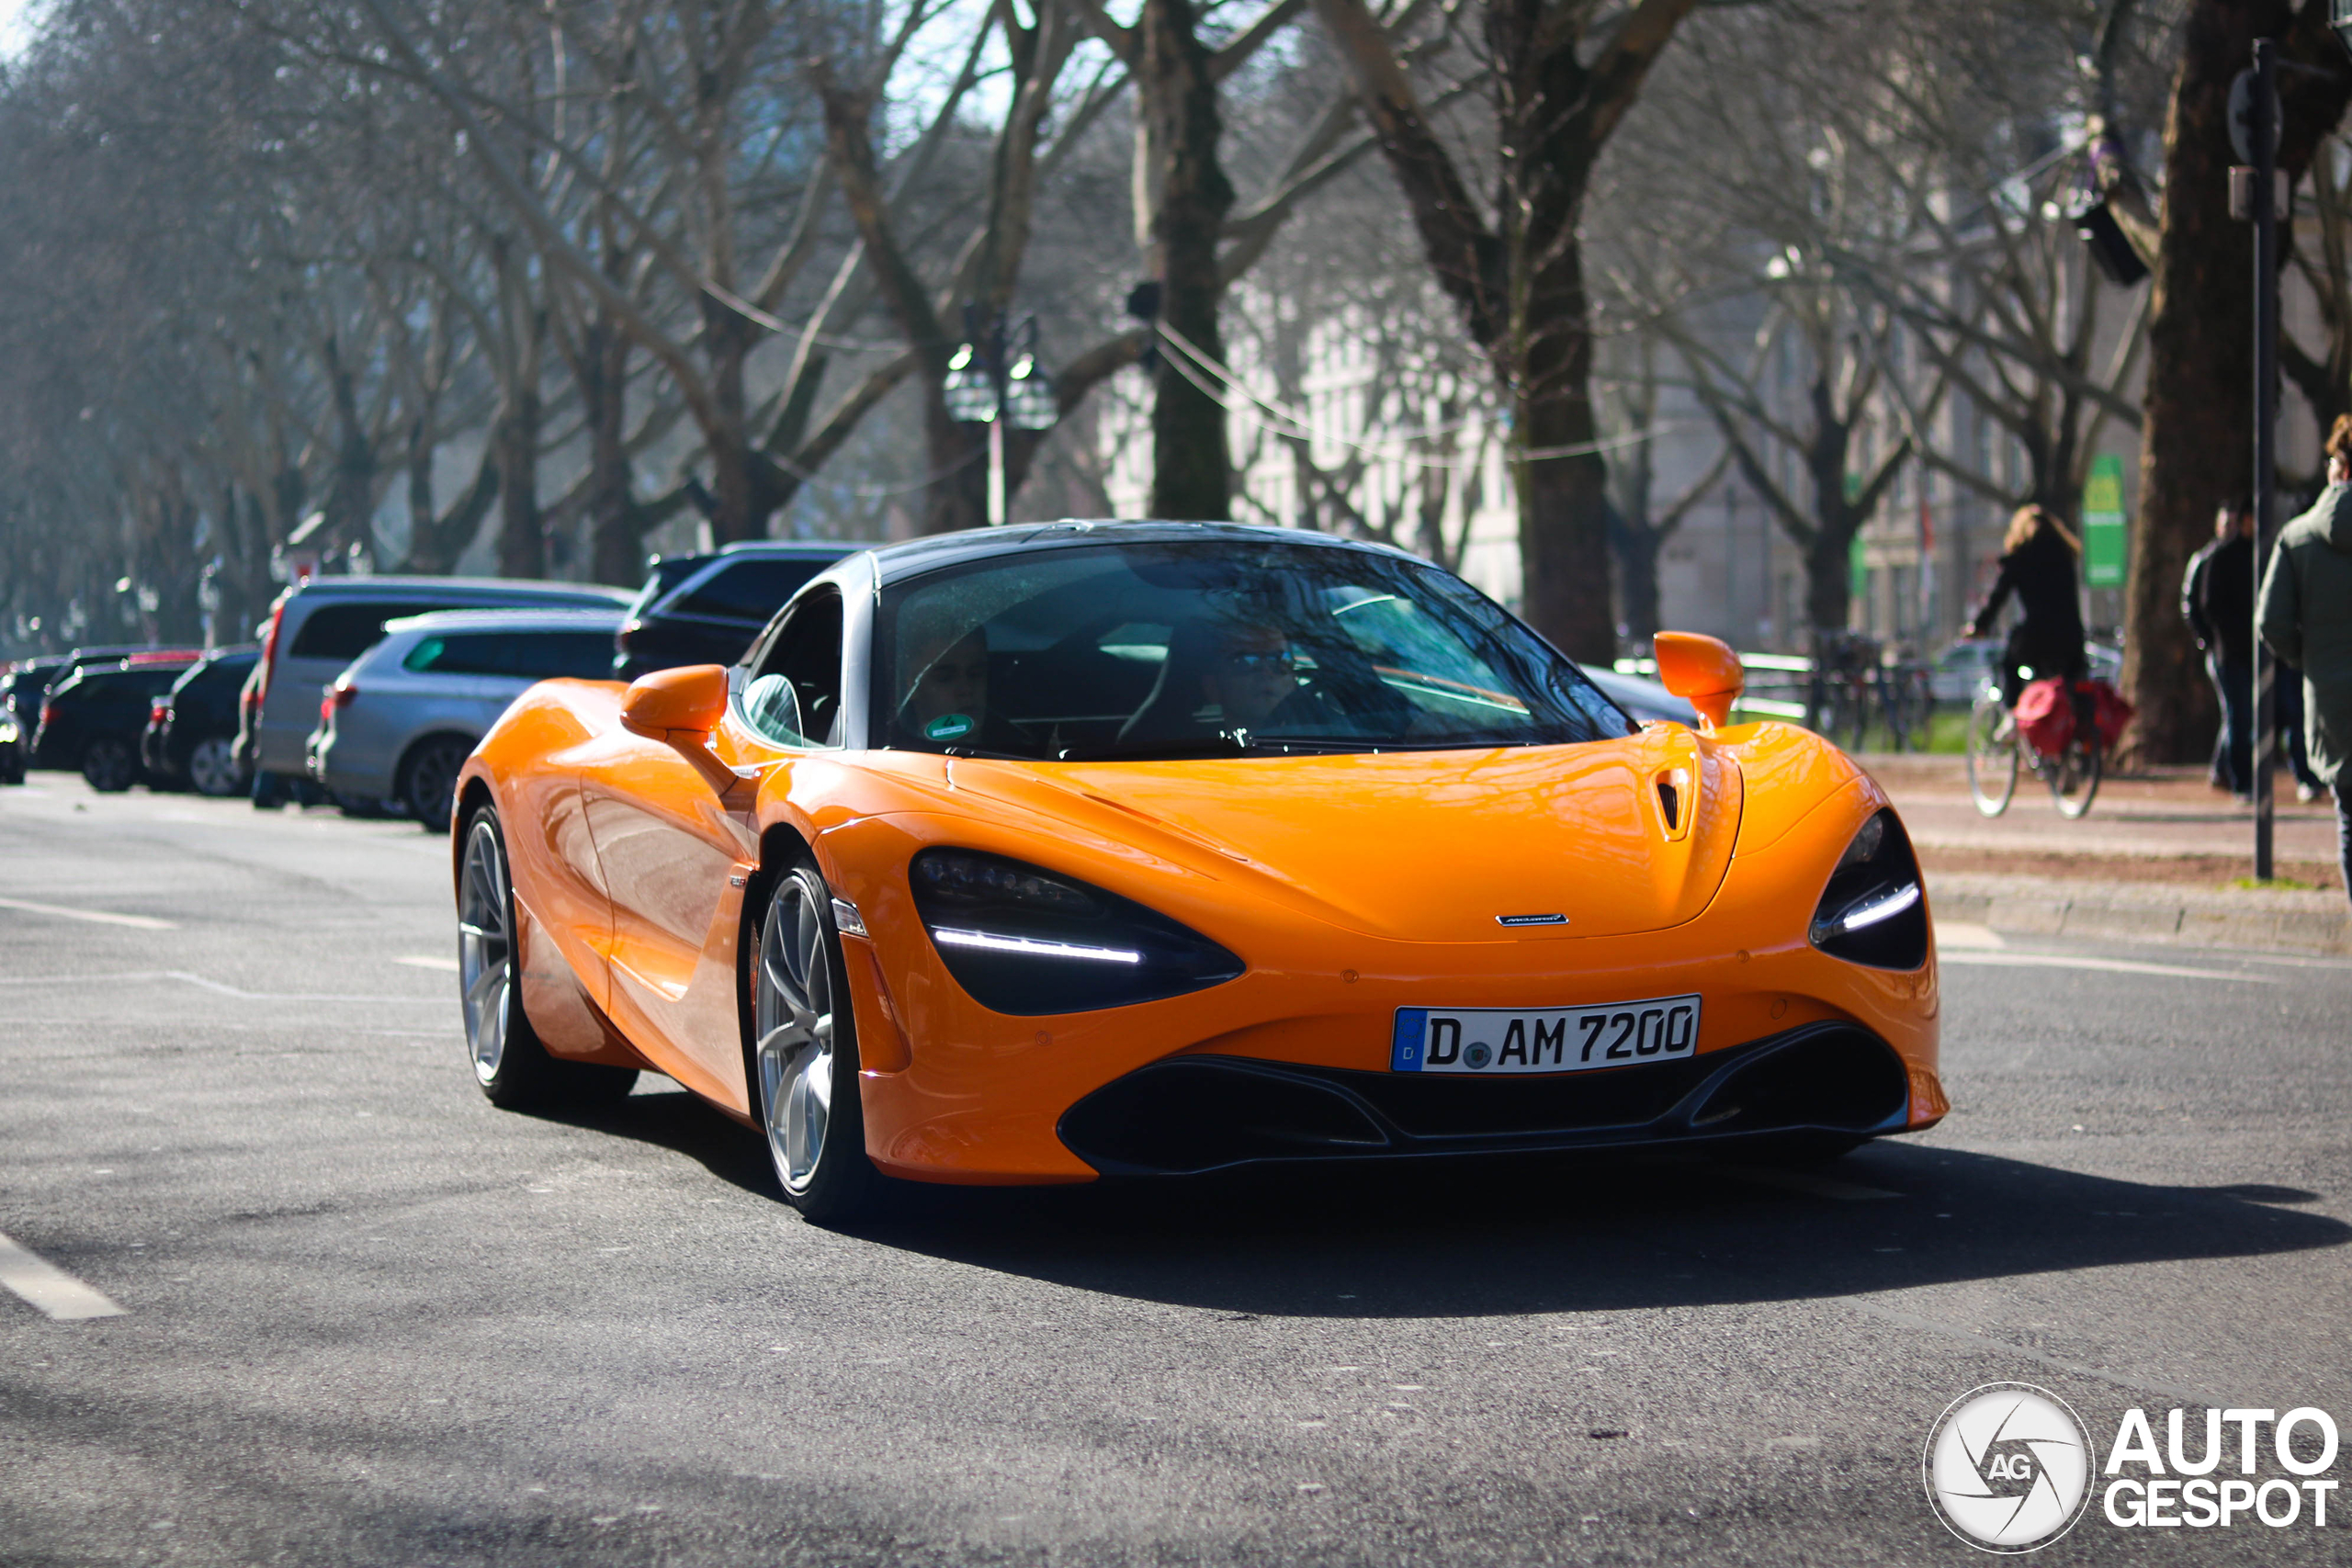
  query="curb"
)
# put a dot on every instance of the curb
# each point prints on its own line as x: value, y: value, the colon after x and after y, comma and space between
x: 2167, y: 914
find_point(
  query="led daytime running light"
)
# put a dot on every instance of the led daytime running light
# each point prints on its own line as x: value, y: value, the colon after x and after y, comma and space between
x: 949, y: 937
x: 1869, y: 911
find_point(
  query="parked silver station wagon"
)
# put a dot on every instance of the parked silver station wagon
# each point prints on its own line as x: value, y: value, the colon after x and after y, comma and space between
x: 398, y: 724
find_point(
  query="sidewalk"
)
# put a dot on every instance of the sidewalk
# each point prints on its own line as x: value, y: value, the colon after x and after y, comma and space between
x: 2153, y: 861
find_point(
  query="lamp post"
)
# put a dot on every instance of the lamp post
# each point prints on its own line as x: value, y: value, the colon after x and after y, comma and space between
x: 2263, y: 129
x: 994, y: 379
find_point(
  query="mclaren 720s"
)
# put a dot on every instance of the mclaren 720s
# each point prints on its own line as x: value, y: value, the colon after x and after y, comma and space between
x: 1050, y: 853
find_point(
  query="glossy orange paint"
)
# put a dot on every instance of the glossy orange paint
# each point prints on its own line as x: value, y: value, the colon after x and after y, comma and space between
x: 1351, y: 885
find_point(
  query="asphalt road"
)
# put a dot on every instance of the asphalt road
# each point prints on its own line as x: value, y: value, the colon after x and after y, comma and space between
x: 368, y: 1318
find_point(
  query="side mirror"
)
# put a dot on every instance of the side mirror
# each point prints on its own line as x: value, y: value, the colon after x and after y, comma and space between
x: 1702, y: 668
x: 674, y: 705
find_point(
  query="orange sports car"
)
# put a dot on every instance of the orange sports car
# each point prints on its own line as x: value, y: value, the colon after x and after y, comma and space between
x: 1048, y: 853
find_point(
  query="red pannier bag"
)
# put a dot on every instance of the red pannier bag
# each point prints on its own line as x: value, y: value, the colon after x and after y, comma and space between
x: 2108, y: 711
x: 2046, y: 718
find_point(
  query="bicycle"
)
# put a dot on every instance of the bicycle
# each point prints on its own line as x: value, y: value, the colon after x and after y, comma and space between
x: 1845, y: 680
x: 1908, y: 702
x: 1997, y: 748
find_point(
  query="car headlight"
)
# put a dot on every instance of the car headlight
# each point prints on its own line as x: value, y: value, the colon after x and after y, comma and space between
x: 1026, y: 940
x: 1875, y: 910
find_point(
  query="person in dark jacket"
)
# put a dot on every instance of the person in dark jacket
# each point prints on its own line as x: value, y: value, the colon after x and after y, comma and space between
x: 2306, y: 617
x: 2217, y: 597
x: 2037, y: 568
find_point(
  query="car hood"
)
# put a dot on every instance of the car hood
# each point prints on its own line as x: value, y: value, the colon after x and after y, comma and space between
x: 1431, y: 846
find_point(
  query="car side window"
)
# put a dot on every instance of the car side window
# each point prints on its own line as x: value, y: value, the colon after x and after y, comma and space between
x: 345, y: 630
x: 750, y: 589
x: 528, y: 656
x: 794, y: 698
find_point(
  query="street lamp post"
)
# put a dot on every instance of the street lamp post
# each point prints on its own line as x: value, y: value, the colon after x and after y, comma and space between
x: 2265, y: 137
x: 994, y: 379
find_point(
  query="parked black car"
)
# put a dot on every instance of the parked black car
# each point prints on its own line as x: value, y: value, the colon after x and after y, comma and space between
x: 191, y: 733
x: 91, y: 719
x: 706, y: 609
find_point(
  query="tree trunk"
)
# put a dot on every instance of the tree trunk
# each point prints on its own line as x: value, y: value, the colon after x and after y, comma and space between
x: 2196, y: 441
x: 1191, y: 463
x: 616, y: 523
x: 1636, y: 547
x: 744, y: 501
x: 522, y: 538
x: 2196, y: 446
x: 435, y: 540
x: 1829, y: 577
x: 351, y: 495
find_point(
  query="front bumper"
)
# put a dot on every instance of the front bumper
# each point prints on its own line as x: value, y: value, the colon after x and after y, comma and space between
x: 1191, y: 1115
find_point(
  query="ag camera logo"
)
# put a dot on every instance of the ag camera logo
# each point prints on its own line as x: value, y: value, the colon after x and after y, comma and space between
x: 2007, y: 1467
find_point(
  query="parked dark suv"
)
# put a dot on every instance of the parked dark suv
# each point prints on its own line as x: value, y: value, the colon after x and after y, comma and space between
x: 91, y: 720
x: 192, y: 730
x: 706, y: 609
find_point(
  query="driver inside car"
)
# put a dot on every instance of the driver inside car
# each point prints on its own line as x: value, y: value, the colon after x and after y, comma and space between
x: 947, y: 703
x: 1251, y: 675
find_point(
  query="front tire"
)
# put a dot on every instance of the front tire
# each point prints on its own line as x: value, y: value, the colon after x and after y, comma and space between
x: 803, y: 1066
x: 1992, y: 755
x: 109, y: 765
x: 511, y: 1068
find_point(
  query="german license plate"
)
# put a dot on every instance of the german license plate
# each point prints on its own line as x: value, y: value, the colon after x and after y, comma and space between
x: 1550, y: 1040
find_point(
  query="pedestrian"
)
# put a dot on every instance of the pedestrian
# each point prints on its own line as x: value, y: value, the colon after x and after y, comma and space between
x: 2307, y: 620
x: 2037, y: 556
x: 2217, y: 598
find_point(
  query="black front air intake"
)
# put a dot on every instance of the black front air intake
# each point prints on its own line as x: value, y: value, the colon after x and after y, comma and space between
x: 1189, y: 1114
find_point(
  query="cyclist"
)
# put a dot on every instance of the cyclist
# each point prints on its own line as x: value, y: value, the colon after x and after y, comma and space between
x: 2037, y: 566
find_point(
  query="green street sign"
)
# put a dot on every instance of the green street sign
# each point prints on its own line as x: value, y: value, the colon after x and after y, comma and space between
x: 2103, y: 546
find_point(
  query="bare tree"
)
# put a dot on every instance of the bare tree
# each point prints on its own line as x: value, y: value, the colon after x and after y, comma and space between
x: 1561, y: 76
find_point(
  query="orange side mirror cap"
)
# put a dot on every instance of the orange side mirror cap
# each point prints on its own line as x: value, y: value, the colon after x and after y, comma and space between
x: 688, y: 699
x: 1704, y: 669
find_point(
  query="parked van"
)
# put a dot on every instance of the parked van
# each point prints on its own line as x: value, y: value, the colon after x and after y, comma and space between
x: 316, y: 629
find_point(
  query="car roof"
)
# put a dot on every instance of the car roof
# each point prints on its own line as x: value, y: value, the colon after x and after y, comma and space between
x: 915, y: 558
x: 823, y: 549
x: 519, y: 619
x: 521, y: 589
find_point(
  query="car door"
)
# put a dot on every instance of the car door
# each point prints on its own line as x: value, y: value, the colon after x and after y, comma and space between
x: 675, y: 833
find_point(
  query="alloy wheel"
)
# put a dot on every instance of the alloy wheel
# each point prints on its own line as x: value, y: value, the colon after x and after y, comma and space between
x: 431, y: 788
x: 485, y: 949
x: 793, y: 1039
x: 109, y: 766
x: 212, y: 766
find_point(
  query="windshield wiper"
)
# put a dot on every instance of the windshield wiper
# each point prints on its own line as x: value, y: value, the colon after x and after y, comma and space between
x: 1213, y: 746
x: 1243, y: 743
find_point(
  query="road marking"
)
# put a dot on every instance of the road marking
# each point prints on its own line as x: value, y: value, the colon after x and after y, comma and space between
x: 97, y: 916
x: 2108, y: 965
x: 1960, y: 933
x: 419, y: 961
x: 216, y: 987
x: 49, y: 1287
x: 1800, y: 1181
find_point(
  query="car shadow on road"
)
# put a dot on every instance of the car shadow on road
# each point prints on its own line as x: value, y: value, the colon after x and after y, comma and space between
x: 1466, y: 1240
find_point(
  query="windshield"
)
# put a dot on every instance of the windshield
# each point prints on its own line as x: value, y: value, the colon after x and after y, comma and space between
x: 1215, y: 648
